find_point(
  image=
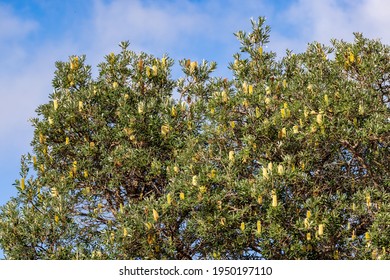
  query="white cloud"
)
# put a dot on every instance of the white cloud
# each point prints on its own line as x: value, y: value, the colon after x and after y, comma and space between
x: 146, y: 26
x: 183, y: 29
x: 13, y: 27
x: 25, y: 76
x: 325, y: 19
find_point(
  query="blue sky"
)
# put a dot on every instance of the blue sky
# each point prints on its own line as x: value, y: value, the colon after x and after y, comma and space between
x: 36, y: 33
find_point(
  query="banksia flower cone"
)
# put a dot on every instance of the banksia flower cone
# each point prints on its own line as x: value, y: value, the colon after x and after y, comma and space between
x: 155, y: 215
x: 22, y: 184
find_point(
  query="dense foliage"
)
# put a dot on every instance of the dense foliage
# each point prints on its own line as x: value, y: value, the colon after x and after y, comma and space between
x: 289, y: 159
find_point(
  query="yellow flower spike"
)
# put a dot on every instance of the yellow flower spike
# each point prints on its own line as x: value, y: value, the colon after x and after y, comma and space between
x: 319, y: 118
x: 280, y: 169
x: 91, y: 145
x: 260, y: 199
x: 367, y: 236
x: 282, y: 133
x: 306, y: 223
x: 353, y: 206
x: 112, y: 237
x: 56, y: 219
x: 154, y: 70
x: 54, y: 192
x: 353, y: 237
x: 212, y: 111
x: 124, y: 232
x: 326, y: 99
x: 140, y: 64
x: 74, y: 167
x: 55, y: 104
x: 250, y: 89
x: 169, y: 199
x: 41, y: 138
x: 308, y: 214
x: 189, y: 125
x: 284, y: 83
x: 212, y: 174
x: 202, y: 189
x: 308, y: 236
x: 148, y: 225
x: 67, y: 141
x: 182, y: 196
x: 34, y: 158
x: 283, y: 113
x: 85, y: 174
x: 361, y: 109
x: 336, y: 255
x: 245, y: 87
x: 148, y: 71
x: 310, y: 87
x: 74, y: 63
x: 295, y: 129
x: 231, y: 156
x: 260, y: 50
x: 265, y: 173
x: 114, y: 85
x: 81, y: 106
x: 320, y: 229
x: 22, y: 184
x: 258, y: 114
x: 224, y: 96
x: 42, y: 168
x: 374, y: 254
x: 219, y: 204
x: 270, y: 166
x: 242, y: 226
x: 232, y: 124
x: 121, y: 208
x: 193, y: 66
x: 173, y: 111
x: 164, y: 62
x: 164, y: 129
x: 222, y: 221
x: 268, y: 91
x: 368, y: 200
x: 50, y: 119
x: 351, y: 57
x: 176, y: 169
x: 155, y: 215
x: 194, y: 180
x: 274, y: 200
x: 258, y: 227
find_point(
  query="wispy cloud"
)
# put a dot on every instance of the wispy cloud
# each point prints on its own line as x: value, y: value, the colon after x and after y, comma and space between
x: 13, y: 27
x: 323, y: 20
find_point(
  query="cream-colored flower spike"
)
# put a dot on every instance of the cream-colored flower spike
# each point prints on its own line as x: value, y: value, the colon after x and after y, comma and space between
x: 55, y: 104
x: 155, y: 215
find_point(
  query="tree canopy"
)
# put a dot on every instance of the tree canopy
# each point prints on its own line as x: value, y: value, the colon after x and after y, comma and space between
x: 288, y: 159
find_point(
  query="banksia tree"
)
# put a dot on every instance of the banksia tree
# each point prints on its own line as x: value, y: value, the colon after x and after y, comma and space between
x: 286, y: 160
